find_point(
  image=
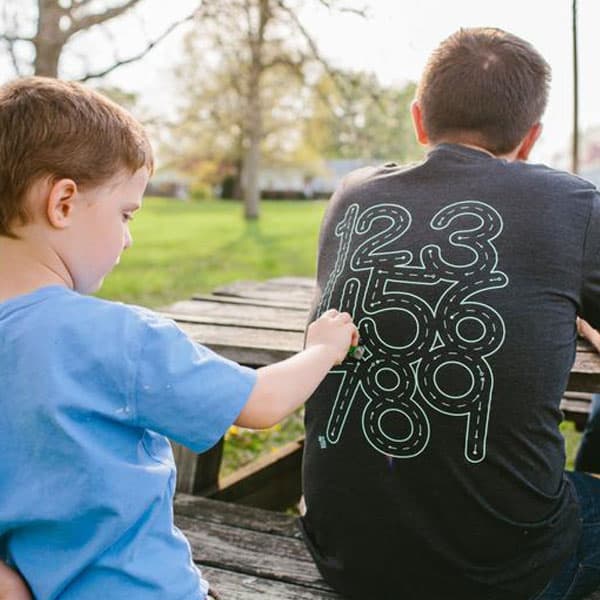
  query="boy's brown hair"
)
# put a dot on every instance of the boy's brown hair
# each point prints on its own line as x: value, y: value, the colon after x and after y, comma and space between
x: 483, y: 86
x: 59, y: 129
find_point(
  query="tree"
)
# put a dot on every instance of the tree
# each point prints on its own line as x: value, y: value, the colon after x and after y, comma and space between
x: 357, y: 117
x: 252, y: 44
x: 213, y: 125
x: 41, y: 30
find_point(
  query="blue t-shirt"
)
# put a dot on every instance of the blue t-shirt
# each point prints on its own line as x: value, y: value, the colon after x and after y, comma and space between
x: 88, y: 390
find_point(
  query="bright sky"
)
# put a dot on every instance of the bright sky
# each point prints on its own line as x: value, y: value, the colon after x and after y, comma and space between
x: 395, y: 40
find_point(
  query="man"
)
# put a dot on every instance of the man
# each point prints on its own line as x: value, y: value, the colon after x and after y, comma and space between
x: 433, y: 465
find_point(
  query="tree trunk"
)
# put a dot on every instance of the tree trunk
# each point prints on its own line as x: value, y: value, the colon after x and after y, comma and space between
x: 49, y: 39
x: 252, y: 169
x: 253, y: 140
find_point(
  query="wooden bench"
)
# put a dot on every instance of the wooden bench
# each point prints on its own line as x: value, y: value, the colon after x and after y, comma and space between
x: 249, y: 553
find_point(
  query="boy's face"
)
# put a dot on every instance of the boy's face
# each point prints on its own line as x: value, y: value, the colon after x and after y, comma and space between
x: 99, y: 230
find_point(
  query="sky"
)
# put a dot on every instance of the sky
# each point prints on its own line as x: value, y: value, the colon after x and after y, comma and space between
x: 394, y: 42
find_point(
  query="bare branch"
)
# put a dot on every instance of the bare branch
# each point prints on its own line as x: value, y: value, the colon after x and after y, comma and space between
x: 361, y: 12
x: 15, y: 38
x: 143, y: 52
x: 81, y: 23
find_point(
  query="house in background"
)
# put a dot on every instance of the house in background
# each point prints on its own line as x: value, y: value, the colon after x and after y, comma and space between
x: 299, y: 181
x: 169, y: 183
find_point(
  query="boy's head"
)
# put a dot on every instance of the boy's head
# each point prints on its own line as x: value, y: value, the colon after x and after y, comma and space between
x: 57, y: 130
x: 483, y: 87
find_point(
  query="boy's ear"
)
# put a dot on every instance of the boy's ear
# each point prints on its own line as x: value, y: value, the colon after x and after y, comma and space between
x: 529, y: 141
x: 417, y: 120
x: 60, y: 202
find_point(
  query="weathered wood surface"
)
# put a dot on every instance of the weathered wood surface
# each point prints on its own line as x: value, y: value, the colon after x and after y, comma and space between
x: 247, y: 553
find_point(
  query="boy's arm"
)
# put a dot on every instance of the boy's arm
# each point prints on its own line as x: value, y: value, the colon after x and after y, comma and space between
x: 12, y: 586
x: 284, y: 386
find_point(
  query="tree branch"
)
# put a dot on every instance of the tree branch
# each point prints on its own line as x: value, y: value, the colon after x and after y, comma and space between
x: 81, y: 23
x: 361, y: 12
x: 143, y: 52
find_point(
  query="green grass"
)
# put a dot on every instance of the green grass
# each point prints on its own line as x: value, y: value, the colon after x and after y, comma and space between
x: 182, y: 248
x: 572, y: 439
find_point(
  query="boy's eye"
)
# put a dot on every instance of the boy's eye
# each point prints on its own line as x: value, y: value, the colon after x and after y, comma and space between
x: 127, y: 217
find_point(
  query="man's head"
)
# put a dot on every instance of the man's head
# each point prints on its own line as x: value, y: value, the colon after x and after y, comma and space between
x: 52, y: 129
x: 73, y: 168
x: 483, y: 87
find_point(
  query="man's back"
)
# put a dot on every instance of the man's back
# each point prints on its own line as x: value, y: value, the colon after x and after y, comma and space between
x: 435, y: 463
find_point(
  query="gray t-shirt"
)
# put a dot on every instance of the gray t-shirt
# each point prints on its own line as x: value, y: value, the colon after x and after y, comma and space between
x: 433, y: 465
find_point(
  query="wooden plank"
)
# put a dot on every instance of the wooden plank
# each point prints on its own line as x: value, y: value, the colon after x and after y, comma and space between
x: 307, y: 282
x: 253, y: 301
x: 585, y: 373
x: 273, y: 481
x: 235, y: 321
x: 245, y: 345
x: 197, y: 472
x: 264, y: 290
x: 252, y: 552
x: 232, y: 314
x: 230, y: 585
x: 236, y: 515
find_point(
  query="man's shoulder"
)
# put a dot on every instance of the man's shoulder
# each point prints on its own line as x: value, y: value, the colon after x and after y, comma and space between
x: 542, y: 174
x: 367, y: 176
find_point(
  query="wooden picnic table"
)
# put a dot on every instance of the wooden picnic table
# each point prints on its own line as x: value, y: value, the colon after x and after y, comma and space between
x: 258, y: 323
x: 246, y: 552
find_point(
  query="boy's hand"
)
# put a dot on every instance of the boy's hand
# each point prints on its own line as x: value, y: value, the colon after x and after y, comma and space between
x: 12, y: 586
x: 334, y: 331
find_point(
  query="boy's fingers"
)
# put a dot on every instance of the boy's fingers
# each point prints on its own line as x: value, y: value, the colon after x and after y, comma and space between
x: 344, y: 317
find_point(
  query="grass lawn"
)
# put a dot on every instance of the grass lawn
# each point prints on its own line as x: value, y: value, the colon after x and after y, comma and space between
x: 182, y: 248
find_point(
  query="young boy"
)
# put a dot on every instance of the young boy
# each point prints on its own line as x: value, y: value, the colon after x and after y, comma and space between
x: 90, y: 388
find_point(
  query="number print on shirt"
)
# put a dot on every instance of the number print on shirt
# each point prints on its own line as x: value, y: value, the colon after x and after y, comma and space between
x: 456, y: 334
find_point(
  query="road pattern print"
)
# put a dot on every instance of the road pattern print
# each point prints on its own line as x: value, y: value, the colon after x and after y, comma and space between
x: 398, y: 381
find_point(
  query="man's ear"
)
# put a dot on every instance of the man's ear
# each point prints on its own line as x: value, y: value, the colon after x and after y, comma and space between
x: 61, y: 202
x: 417, y: 120
x: 529, y: 141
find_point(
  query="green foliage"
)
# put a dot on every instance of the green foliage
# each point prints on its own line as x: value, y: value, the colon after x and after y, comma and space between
x: 244, y: 445
x: 181, y: 248
x: 358, y: 117
x: 572, y: 439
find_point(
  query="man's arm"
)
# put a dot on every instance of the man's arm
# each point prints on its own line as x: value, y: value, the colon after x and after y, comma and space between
x: 282, y: 387
x: 12, y: 586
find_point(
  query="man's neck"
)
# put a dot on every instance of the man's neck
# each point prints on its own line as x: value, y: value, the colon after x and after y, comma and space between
x: 510, y: 156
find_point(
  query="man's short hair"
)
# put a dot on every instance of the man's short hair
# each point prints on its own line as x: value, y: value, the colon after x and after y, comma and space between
x: 483, y: 86
x: 59, y: 129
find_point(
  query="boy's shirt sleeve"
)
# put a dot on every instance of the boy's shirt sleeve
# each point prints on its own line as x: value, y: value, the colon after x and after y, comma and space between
x: 184, y: 390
